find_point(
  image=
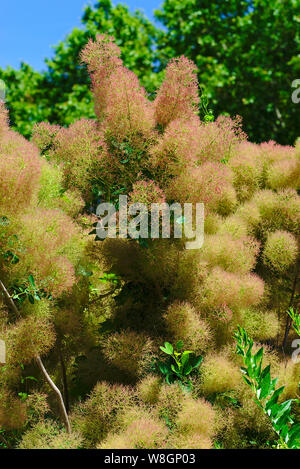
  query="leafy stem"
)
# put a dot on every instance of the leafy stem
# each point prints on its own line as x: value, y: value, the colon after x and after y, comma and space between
x: 180, y: 364
x: 266, y: 393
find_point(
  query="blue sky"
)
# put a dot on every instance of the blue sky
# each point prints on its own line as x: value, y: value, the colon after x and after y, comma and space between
x: 28, y: 28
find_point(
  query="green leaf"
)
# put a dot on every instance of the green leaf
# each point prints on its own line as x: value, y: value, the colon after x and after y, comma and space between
x: 170, y: 378
x: 185, y: 359
x: 265, y: 371
x: 31, y: 281
x: 282, y: 409
x: 174, y: 370
x: 163, y: 368
x: 168, y: 348
x: 258, y: 356
x: 274, y: 398
x: 187, y: 369
x: 196, y: 361
x: 294, y: 437
x: 179, y: 345
x: 266, y: 387
x: 31, y: 299
x: 247, y: 380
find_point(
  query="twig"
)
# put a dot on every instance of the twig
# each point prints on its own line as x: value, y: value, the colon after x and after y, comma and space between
x: 100, y: 297
x: 5, y: 442
x: 12, y: 305
x: 10, y: 302
x: 64, y: 377
x: 57, y: 392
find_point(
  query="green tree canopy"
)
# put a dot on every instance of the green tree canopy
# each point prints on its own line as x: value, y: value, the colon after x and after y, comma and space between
x: 25, y: 97
x: 247, y: 52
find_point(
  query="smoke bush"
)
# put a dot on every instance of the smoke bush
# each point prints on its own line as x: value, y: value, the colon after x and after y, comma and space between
x: 149, y: 389
x: 218, y: 374
x: 183, y: 322
x: 176, y: 149
x: 233, y: 255
x: 28, y: 338
x: 129, y: 351
x: 99, y: 310
x: 262, y: 325
x: 96, y: 417
x: 20, y: 168
x: 178, y: 94
x: 43, y: 135
x: 49, y: 436
x: 197, y: 416
x: 78, y: 150
x: 288, y: 376
x: 235, y: 291
x: 142, y: 431
x: 190, y: 441
x: 280, y: 251
x: 210, y: 183
x: 218, y: 140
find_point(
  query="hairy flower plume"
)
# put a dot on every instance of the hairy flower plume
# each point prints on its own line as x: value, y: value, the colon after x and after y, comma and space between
x: 280, y: 251
x: 147, y: 192
x: 178, y: 95
x: 102, y: 58
x: 79, y: 149
x: 120, y: 101
x: 177, y: 148
x: 20, y: 167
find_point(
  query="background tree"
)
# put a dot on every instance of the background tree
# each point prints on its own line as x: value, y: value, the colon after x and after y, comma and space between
x: 247, y: 53
x: 25, y: 97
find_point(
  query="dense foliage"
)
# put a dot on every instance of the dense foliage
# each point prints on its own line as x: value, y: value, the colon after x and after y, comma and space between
x: 247, y: 54
x: 96, y: 312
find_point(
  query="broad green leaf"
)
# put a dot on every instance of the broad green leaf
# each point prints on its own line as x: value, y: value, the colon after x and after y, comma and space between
x: 163, y: 368
x: 258, y: 356
x: 31, y: 281
x: 187, y: 369
x: 266, y: 387
x: 196, y: 361
x: 168, y: 348
x: 174, y: 369
x: 282, y: 408
x: 179, y: 345
x: 265, y: 371
x: 274, y: 398
x: 31, y: 299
